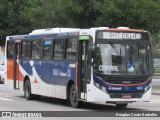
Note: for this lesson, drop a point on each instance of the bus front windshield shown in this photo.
(122, 59)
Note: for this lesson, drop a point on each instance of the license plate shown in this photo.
(126, 96)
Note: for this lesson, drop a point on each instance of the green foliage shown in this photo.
(142, 14)
(156, 40)
(76, 13)
(12, 20)
(22, 16)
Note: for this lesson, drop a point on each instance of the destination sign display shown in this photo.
(119, 35)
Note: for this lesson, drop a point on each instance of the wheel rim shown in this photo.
(27, 92)
(74, 96)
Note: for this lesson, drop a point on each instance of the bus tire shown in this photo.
(124, 105)
(73, 97)
(37, 97)
(27, 90)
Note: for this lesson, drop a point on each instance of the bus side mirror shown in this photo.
(93, 51)
(92, 54)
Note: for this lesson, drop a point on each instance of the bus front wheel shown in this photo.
(73, 97)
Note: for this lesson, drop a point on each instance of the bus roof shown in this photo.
(55, 32)
(46, 33)
(52, 30)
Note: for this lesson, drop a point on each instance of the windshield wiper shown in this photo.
(115, 49)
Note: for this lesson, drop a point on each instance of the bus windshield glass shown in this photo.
(121, 59)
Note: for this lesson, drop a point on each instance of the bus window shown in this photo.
(36, 49)
(71, 49)
(47, 49)
(58, 49)
(10, 50)
(26, 49)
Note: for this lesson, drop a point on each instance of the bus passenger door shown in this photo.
(84, 67)
(16, 64)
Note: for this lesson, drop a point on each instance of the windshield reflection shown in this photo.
(121, 59)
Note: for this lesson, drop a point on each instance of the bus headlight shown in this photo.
(97, 85)
(102, 88)
(147, 88)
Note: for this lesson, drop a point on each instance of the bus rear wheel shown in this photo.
(124, 105)
(73, 97)
(27, 91)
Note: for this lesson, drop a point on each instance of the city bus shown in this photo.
(98, 65)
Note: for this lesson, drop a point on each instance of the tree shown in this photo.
(142, 14)
(20, 17)
(139, 14)
(76, 13)
(41, 14)
(11, 18)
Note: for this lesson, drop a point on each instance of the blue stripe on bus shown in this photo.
(121, 88)
(54, 35)
(25, 64)
(51, 72)
(32, 36)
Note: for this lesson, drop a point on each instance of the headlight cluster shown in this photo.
(101, 87)
(147, 88)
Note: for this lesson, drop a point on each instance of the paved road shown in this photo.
(156, 83)
(14, 100)
(156, 86)
(11, 100)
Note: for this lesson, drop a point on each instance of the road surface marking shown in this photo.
(5, 99)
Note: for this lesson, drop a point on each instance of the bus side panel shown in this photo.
(26, 70)
(72, 71)
(27, 67)
(55, 78)
(32, 69)
(35, 78)
(61, 74)
(10, 75)
(19, 74)
(10, 71)
(47, 85)
(10, 65)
